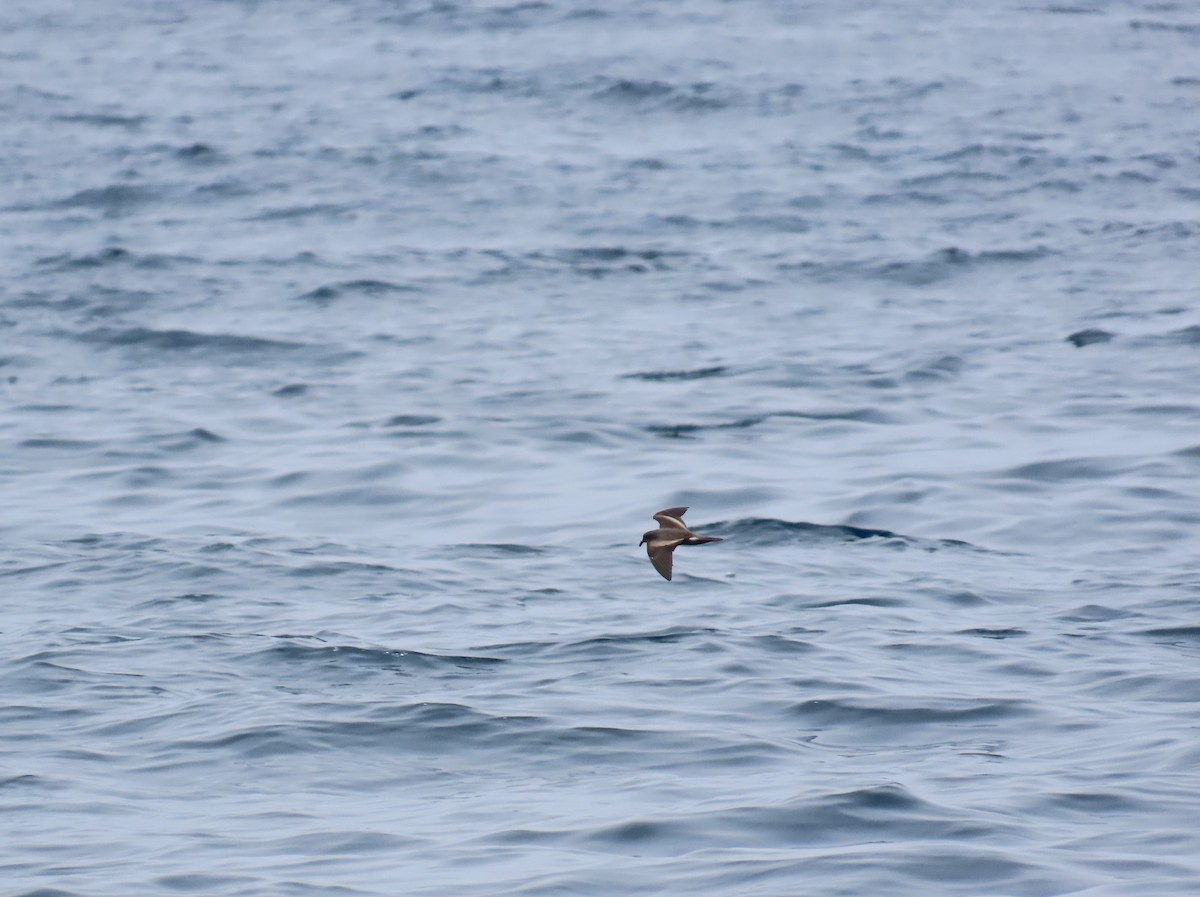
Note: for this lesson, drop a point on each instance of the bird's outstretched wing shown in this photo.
(671, 517)
(661, 553)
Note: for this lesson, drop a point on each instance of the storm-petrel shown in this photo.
(660, 543)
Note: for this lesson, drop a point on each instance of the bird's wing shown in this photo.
(672, 517)
(661, 553)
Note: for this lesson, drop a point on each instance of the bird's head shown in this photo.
(646, 537)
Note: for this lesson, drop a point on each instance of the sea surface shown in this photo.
(347, 348)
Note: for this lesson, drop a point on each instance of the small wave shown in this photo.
(1188, 28)
(1088, 337)
(112, 200)
(337, 568)
(112, 255)
(947, 262)
(995, 633)
(694, 374)
(1176, 634)
(600, 644)
(498, 549)
(62, 444)
(103, 120)
(324, 295)
(879, 813)
(1068, 469)
(1188, 335)
(329, 211)
(412, 420)
(198, 153)
(772, 531)
(680, 431)
(183, 340)
(857, 415)
(951, 711)
(289, 651)
(647, 95)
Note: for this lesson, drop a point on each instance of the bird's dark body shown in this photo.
(661, 543)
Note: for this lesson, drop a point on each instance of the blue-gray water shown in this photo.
(346, 349)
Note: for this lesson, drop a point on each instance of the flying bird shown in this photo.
(660, 543)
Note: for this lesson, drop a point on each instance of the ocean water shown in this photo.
(347, 348)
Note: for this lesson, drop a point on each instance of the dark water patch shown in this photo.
(959, 180)
(684, 431)
(226, 188)
(879, 812)
(1089, 337)
(1178, 635)
(330, 211)
(641, 95)
(114, 200)
(184, 341)
(593, 262)
(876, 814)
(112, 255)
(977, 151)
(172, 443)
(608, 255)
(199, 153)
(339, 568)
(412, 420)
(27, 781)
(949, 262)
(1190, 29)
(1189, 336)
(859, 600)
(1068, 469)
(205, 882)
(942, 264)
(352, 496)
(951, 712)
(386, 659)
(1179, 410)
(1147, 687)
(102, 120)
(944, 368)
(772, 531)
(498, 550)
(999, 633)
(59, 444)
(324, 295)
(961, 598)
(188, 598)
(1064, 9)
(604, 646)
(146, 476)
(695, 374)
(1088, 803)
(768, 531)
(290, 391)
(1094, 613)
(905, 198)
(780, 644)
(434, 728)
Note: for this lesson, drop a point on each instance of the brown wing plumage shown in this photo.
(661, 554)
(672, 517)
